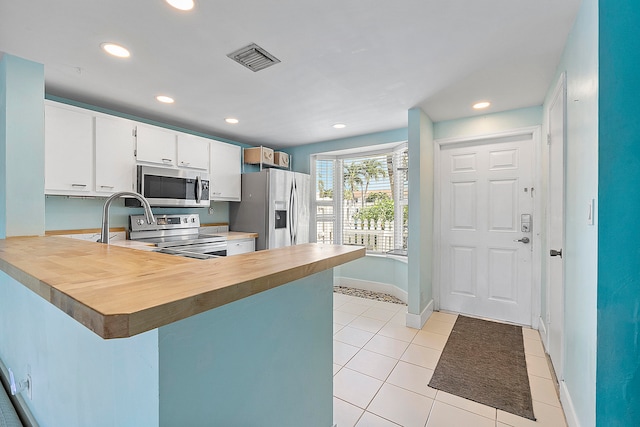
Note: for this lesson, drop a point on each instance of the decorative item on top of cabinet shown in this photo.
(281, 159)
(265, 157)
(258, 155)
(225, 173)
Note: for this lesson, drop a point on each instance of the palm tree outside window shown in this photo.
(361, 199)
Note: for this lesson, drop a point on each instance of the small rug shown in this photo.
(378, 296)
(484, 361)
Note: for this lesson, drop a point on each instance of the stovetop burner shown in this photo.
(177, 235)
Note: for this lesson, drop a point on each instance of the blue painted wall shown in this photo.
(420, 245)
(264, 361)
(79, 379)
(488, 123)
(378, 269)
(301, 154)
(63, 213)
(618, 343)
(580, 61)
(21, 147)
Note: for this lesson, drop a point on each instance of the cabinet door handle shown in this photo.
(79, 185)
(185, 163)
(167, 160)
(106, 186)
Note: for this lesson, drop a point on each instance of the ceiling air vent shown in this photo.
(253, 57)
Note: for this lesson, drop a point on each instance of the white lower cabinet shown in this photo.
(240, 246)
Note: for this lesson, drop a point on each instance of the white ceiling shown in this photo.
(360, 62)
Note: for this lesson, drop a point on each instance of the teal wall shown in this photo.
(139, 119)
(21, 147)
(265, 360)
(618, 303)
(301, 154)
(488, 123)
(420, 245)
(63, 213)
(79, 379)
(580, 61)
(378, 269)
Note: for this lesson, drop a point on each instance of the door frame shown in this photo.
(534, 132)
(545, 330)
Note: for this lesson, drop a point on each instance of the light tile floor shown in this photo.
(381, 370)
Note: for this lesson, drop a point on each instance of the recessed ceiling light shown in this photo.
(231, 120)
(165, 99)
(182, 4)
(115, 50)
(339, 126)
(481, 105)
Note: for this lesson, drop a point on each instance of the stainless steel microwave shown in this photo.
(172, 187)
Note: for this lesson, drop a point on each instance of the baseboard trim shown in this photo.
(417, 321)
(19, 404)
(542, 328)
(567, 405)
(371, 286)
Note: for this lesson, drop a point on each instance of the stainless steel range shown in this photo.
(177, 235)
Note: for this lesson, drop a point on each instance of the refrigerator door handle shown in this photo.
(293, 213)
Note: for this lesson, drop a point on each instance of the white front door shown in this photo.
(486, 218)
(555, 282)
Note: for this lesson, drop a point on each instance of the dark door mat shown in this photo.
(484, 361)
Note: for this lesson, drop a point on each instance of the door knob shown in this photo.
(523, 240)
(554, 252)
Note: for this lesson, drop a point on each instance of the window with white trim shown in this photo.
(362, 198)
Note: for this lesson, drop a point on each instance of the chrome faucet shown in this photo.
(104, 235)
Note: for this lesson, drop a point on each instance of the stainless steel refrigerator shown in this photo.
(275, 204)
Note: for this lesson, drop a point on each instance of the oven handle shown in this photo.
(198, 189)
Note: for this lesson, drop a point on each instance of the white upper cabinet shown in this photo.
(68, 150)
(193, 152)
(225, 172)
(115, 163)
(155, 145)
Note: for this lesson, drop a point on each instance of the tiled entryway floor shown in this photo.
(382, 368)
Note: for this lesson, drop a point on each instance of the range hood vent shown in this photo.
(253, 57)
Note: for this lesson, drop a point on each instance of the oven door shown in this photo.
(171, 187)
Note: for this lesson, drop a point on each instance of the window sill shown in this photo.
(390, 255)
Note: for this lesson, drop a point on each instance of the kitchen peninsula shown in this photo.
(117, 337)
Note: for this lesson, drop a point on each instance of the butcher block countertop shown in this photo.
(120, 292)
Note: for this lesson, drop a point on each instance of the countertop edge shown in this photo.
(290, 264)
